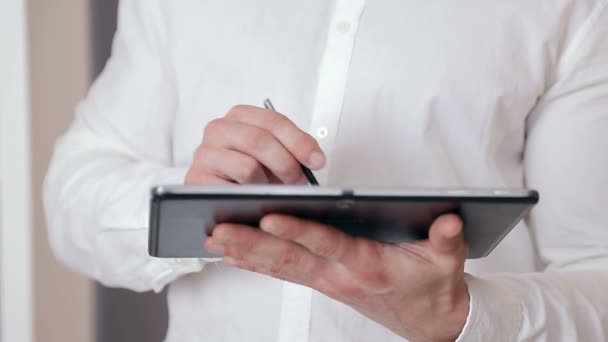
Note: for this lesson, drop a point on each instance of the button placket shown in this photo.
(333, 75)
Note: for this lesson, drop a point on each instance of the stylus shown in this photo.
(309, 175)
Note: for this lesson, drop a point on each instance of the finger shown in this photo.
(231, 165)
(257, 143)
(299, 143)
(446, 236)
(260, 252)
(272, 179)
(198, 176)
(322, 240)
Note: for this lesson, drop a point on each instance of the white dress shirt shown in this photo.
(473, 93)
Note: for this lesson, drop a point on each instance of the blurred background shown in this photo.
(50, 53)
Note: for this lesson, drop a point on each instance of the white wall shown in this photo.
(15, 193)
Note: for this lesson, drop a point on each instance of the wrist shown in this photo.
(454, 316)
(442, 319)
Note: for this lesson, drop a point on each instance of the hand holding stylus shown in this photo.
(252, 145)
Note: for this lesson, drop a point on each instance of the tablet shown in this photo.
(181, 217)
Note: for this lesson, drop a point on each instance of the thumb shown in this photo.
(446, 235)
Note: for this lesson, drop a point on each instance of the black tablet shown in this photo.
(181, 217)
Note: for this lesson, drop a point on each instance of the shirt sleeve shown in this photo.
(119, 145)
(566, 159)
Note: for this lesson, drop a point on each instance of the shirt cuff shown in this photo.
(123, 237)
(169, 270)
(495, 312)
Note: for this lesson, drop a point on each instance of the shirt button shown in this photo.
(322, 132)
(343, 26)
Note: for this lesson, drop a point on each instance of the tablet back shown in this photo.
(180, 221)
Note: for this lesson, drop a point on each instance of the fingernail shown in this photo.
(267, 225)
(317, 160)
(453, 231)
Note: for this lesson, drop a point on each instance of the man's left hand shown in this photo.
(416, 289)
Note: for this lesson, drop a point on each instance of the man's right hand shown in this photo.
(254, 145)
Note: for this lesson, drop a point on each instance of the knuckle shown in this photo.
(248, 170)
(279, 122)
(236, 111)
(193, 177)
(200, 153)
(213, 126)
(196, 172)
(257, 139)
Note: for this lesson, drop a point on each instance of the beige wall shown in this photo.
(59, 62)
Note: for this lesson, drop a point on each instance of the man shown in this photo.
(393, 93)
